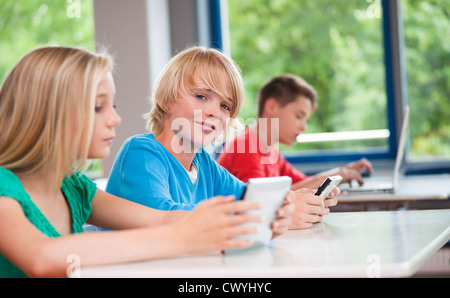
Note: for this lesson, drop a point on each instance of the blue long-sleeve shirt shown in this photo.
(146, 173)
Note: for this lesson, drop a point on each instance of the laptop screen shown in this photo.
(401, 146)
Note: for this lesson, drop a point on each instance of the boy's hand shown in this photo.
(309, 208)
(354, 170)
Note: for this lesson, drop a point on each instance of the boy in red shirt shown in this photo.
(285, 104)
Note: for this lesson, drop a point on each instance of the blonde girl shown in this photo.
(56, 112)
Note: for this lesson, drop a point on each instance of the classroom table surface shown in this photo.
(347, 244)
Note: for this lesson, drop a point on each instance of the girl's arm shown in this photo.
(209, 227)
(114, 213)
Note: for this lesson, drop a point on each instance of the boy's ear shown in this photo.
(271, 107)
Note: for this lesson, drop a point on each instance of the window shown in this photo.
(426, 27)
(337, 46)
(345, 50)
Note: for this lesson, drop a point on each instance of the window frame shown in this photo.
(395, 84)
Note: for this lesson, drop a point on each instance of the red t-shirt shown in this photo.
(247, 157)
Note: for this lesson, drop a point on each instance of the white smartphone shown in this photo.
(327, 186)
(269, 193)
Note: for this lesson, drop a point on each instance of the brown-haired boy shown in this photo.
(285, 104)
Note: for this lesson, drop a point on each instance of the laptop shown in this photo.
(386, 184)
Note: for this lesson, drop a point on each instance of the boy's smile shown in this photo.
(206, 127)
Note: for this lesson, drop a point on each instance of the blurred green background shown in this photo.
(336, 45)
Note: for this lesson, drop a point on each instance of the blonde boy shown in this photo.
(193, 100)
(198, 94)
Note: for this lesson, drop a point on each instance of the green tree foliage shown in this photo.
(25, 25)
(337, 46)
(427, 32)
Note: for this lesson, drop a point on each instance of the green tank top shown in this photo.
(78, 190)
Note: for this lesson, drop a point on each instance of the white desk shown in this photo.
(350, 244)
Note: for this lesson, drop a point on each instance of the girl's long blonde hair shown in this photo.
(47, 105)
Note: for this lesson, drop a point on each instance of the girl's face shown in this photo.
(293, 119)
(105, 120)
(200, 116)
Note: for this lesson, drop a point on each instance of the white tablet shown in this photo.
(269, 193)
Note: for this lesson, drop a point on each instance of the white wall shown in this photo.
(142, 35)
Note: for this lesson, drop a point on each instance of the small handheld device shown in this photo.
(327, 186)
(269, 192)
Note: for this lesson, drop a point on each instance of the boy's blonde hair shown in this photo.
(47, 105)
(177, 78)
